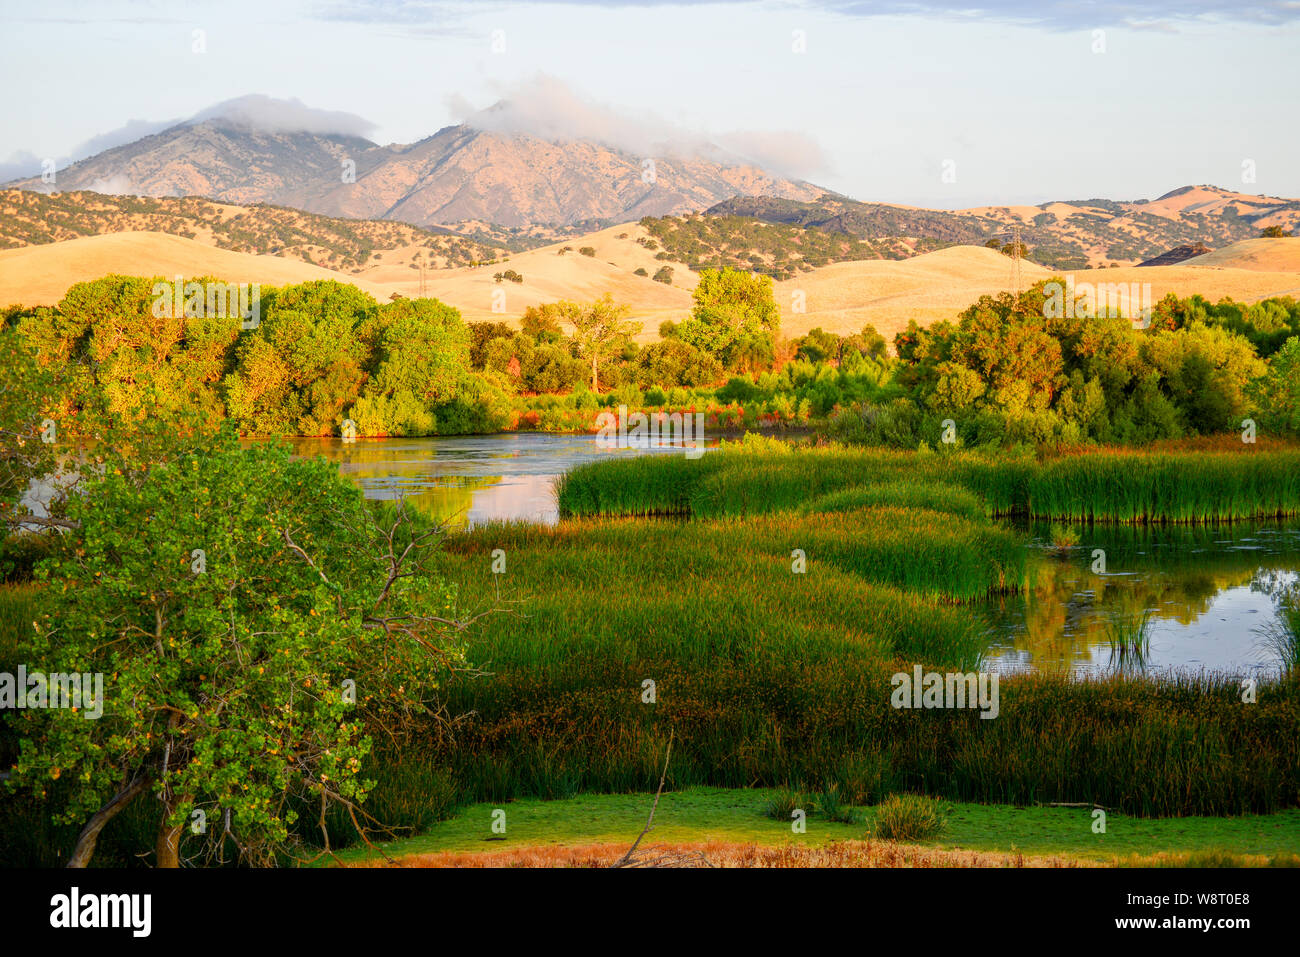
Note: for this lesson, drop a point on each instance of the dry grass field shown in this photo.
(40, 275)
(728, 854)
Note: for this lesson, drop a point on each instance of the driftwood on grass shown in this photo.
(662, 858)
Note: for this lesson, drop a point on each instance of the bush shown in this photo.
(588, 251)
(831, 806)
(909, 817)
(785, 802)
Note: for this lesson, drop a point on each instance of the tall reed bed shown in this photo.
(1167, 487)
(1104, 485)
(1145, 748)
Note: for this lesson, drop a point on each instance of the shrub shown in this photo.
(909, 817)
(831, 806)
(784, 802)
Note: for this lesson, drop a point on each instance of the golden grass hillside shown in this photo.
(551, 273)
(841, 297)
(1264, 255)
(41, 275)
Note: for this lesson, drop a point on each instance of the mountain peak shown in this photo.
(257, 149)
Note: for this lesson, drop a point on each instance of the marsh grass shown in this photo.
(1064, 537)
(909, 817)
(18, 610)
(1282, 637)
(1097, 485)
(831, 806)
(785, 801)
(1129, 637)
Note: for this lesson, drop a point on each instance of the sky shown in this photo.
(930, 104)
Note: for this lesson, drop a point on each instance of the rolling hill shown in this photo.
(28, 218)
(41, 275)
(1265, 255)
(840, 297)
(1062, 235)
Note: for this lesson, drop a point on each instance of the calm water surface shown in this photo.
(1209, 591)
(468, 480)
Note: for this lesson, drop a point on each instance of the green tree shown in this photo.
(27, 440)
(542, 323)
(423, 362)
(1277, 391)
(250, 614)
(601, 331)
(306, 362)
(735, 317)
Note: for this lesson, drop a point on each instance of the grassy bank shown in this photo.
(738, 816)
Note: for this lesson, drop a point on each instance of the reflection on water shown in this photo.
(467, 480)
(1208, 592)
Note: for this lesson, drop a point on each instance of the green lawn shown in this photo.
(704, 813)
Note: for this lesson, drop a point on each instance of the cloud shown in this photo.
(20, 165)
(547, 109)
(787, 153)
(133, 130)
(271, 115)
(1051, 14)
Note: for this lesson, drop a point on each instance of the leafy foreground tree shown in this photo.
(254, 619)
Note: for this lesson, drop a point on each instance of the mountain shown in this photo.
(1073, 234)
(459, 174)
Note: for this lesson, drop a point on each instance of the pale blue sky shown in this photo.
(1013, 94)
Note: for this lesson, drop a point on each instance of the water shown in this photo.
(468, 480)
(1209, 590)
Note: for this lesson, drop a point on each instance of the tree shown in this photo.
(734, 318)
(482, 333)
(542, 323)
(600, 330)
(423, 362)
(1275, 232)
(252, 616)
(306, 361)
(1277, 392)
